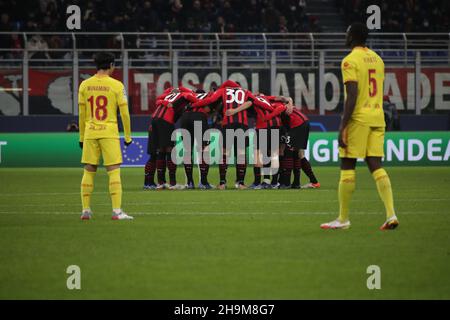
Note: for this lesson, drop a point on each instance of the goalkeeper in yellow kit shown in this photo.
(361, 133)
(98, 99)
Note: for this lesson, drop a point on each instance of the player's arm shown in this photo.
(124, 115)
(209, 100)
(276, 112)
(349, 77)
(351, 88)
(242, 107)
(81, 115)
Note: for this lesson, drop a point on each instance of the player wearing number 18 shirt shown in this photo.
(99, 97)
(361, 133)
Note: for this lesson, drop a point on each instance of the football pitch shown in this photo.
(230, 244)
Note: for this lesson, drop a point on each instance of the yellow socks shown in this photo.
(384, 190)
(345, 191)
(87, 186)
(115, 188)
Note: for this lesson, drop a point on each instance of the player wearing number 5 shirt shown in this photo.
(99, 97)
(361, 133)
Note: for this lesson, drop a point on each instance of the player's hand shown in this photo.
(81, 144)
(128, 143)
(341, 141)
(289, 108)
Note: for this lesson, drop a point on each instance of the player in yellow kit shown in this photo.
(98, 99)
(361, 133)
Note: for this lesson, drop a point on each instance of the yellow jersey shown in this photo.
(98, 100)
(366, 68)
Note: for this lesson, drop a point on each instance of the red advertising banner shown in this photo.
(50, 92)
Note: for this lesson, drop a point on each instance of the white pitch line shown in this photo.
(220, 213)
(20, 194)
(165, 203)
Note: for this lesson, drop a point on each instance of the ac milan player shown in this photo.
(150, 166)
(231, 96)
(266, 119)
(191, 117)
(170, 109)
(295, 141)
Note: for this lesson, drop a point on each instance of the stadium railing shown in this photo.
(223, 53)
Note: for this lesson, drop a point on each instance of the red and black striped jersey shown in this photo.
(173, 105)
(205, 109)
(231, 98)
(264, 116)
(293, 120)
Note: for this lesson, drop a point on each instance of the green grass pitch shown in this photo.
(223, 244)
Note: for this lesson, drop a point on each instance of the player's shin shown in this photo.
(347, 185)
(257, 173)
(172, 169)
(384, 190)
(87, 186)
(115, 189)
(150, 168)
(296, 169)
(161, 167)
(307, 169)
(223, 168)
(287, 164)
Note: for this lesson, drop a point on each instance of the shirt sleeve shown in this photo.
(258, 103)
(209, 100)
(125, 116)
(122, 101)
(122, 96)
(349, 69)
(277, 111)
(81, 112)
(190, 97)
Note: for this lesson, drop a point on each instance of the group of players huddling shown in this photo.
(230, 107)
(361, 132)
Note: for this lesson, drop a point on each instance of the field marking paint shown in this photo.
(167, 213)
(140, 203)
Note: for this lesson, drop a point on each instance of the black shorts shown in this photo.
(297, 137)
(159, 135)
(268, 140)
(189, 119)
(234, 127)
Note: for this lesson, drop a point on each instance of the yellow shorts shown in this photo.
(107, 148)
(362, 141)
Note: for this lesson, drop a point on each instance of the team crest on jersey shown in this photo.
(346, 65)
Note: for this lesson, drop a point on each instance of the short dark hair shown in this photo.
(359, 32)
(199, 91)
(103, 60)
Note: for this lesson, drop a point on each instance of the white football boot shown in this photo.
(121, 216)
(336, 224)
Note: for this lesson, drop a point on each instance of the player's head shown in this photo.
(357, 34)
(104, 61)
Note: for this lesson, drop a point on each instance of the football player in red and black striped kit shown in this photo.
(188, 120)
(231, 96)
(171, 106)
(295, 142)
(150, 166)
(266, 119)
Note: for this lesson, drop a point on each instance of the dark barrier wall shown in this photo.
(57, 123)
